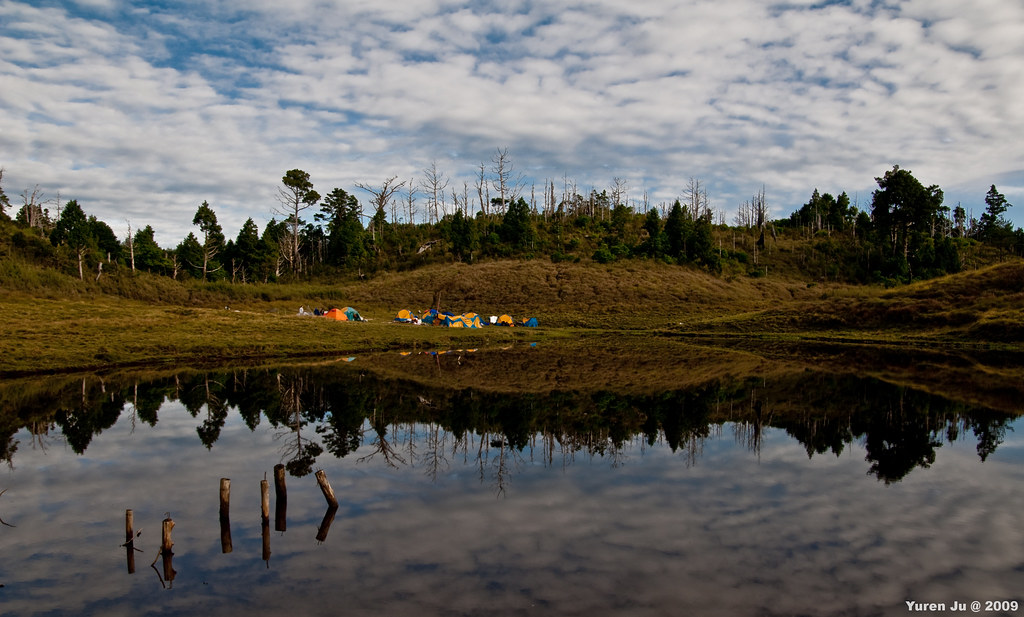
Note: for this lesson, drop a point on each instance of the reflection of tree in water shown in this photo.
(412, 423)
(990, 429)
(212, 391)
(899, 445)
(8, 446)
(381, 444)
(299, 405)
(86, 412)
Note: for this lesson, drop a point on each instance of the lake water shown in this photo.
(693, 480)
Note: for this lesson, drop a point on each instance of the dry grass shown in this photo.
(986, 305)
(89, 329)
(637, 294)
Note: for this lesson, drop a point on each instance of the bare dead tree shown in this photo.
(696, 198)
(620, 187)
(131, 244)
(760, 209)
(434, 184)
(744, 215)
(33, 207)
(410, 200)
(506, 181)
(481, 187)
(456, 200)
(381, 197)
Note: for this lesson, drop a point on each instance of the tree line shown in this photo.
(318, 410)
(907, 233)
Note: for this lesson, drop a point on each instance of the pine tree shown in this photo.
(73, 231)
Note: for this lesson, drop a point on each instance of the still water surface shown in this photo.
(748, 495)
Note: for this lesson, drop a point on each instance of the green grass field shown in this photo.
(52, 322)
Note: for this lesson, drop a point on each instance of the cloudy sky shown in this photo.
(142, 110)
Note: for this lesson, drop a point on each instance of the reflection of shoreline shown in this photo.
(589, 536)
(348, 410)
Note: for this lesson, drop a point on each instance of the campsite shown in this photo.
(154, 320)
(435, 317)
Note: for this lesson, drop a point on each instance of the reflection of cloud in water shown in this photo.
(733, 534)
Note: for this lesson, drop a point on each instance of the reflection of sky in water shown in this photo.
(645, 533)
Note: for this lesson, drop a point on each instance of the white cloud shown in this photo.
(213, 102)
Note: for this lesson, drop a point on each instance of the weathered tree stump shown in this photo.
(129, 539)
(325, 488)
(165, 549)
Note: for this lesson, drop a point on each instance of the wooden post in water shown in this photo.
(129, 539)
(332, 505)
(281, 499)
(325, 524)
(264, 501)
(225, 519)
(165, 549)
(325, 488)
(265, 517)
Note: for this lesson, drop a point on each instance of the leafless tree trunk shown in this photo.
(410, 200)
(434, 184)
(381, 196)
(131, 245)
(481, 185)
(500, 181)
(696, 198)
(620, 187)
(33, 207)
(80, 253)
(760, 208)
(507, 184)
(744, 215)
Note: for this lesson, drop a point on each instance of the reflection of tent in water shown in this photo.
(344, 314)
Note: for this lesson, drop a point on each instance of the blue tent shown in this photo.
(433, 316)
(531, 322)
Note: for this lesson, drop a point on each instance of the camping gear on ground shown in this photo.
(344, 314)
(434, 317)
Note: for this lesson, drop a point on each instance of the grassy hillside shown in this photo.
(985, 305)
(52, 321)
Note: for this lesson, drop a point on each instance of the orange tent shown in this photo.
(336, 314)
